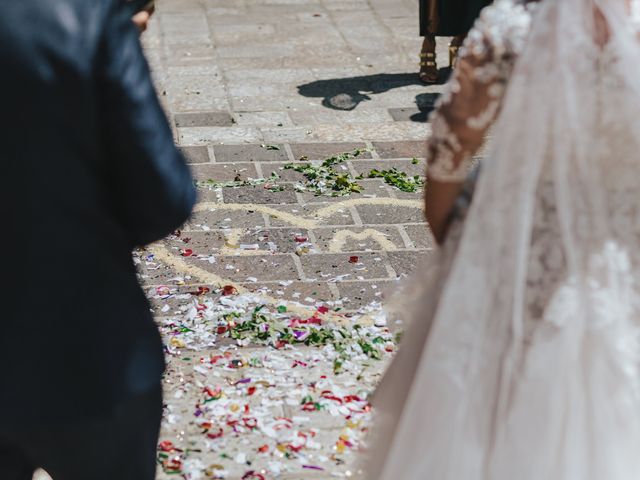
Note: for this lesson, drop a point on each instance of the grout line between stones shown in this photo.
(289, 151)
(356, 216)
(372, 151)
(405, 237)
(298, 264)
(352, 169)
(300, 199)
(212, 155)
(333, 288)
(313, 239)
(258, 167)
(390, 270)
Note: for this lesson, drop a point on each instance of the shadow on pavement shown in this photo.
(347, 93)
(426, 103)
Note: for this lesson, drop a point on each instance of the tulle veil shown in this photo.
(488, 396)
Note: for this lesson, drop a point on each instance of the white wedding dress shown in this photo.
(522, 358)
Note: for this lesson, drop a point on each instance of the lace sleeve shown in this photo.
(472, 98)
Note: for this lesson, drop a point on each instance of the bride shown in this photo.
(522, 358)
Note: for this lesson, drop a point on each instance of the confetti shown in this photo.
(234, 418)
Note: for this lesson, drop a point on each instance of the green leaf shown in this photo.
(398, 179)
(324, 179)
(337, 366)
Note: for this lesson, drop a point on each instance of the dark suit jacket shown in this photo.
(89, 171)
(449, 17)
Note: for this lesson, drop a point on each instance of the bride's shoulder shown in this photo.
(503, 27)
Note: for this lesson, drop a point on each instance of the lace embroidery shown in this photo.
(484, 120)
(471, 100)
(444, 146)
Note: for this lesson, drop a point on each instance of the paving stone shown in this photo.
(286, 175)
(418, 195)
(374, 188)
(213, 135)
(405, 97)
(389, 214)
(409, 114)
(224, 172)
(220, 218)
(371, 187)
(258, 194)
(338, 72)
(180, 296)
(178, 24)
(209, 68)
(199, 87)
(240, 268)
(420, 236)
(203, 243)
(401, 149)
(208, 193)
(272, 75)
(249, 153)
(286, 135)
(196, 154)
(341, 217)
(189, 102)
(265, 51)
(364, 167)
(239, 17)
(216, 11)
(274, 103)
(380, 131)
(153, 272)
(229, 35)
(322, 151)
(195, 40)
(310, 198)
(203, 119)
(369, 115)
(281, 240)
(197, 101)
(354, 294)
(331, 238)
(334, 267)
(264, 119)
(260, 88)
(406, 262)
(305, 293)
(266, 241)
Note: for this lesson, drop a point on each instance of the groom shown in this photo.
(89, 171)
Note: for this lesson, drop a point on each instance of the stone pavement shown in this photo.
(251, 86)
(312, 78)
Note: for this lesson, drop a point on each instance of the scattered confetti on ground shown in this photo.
(235, 409)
